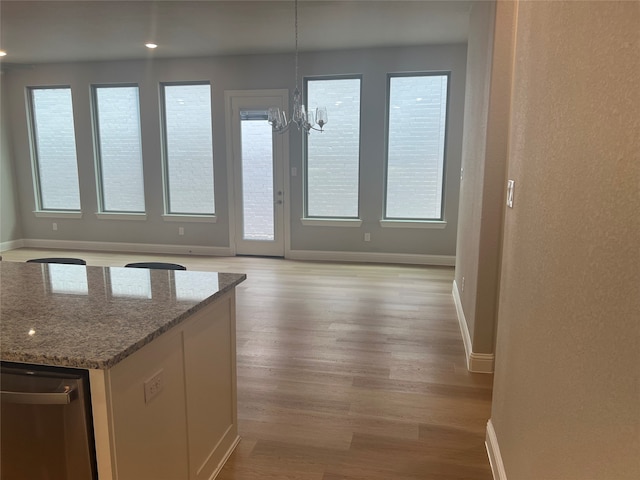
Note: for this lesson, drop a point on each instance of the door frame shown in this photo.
(229, 96)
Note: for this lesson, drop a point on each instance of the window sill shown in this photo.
(189, 218)
(56, 214)
(436, 224)
(121, 216)
(331, 222)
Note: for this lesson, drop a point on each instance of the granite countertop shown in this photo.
(94, 317)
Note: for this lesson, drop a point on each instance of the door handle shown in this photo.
(41, 398)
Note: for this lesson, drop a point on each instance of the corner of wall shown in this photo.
(476, 362)
(493, 452)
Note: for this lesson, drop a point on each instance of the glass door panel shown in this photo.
(257, 176)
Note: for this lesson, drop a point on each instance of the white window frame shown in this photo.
(40, 211)
(407, 222)
(103, 213)
(170, 216)
(332, 221)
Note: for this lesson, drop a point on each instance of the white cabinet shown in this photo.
(183, 425)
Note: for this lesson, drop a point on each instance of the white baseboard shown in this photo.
(11, 244)
(364, 257)
(128, 247)
(493, 451)
(476, 362)
(373, 257)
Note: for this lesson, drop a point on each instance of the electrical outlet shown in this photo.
(55, 226)
(463, 284)
(180, 230)
(153, 387)
(294, 172)
(367, 237)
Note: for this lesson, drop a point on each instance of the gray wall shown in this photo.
(566, 400)
(238, 73)
(10, 224)
(484, 158)
(374, 65)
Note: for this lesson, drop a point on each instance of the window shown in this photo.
(118, 148)
(333, 156)
(54, 149)
(188, 149)
(415, 146)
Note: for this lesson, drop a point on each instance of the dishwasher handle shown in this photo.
(68, 395)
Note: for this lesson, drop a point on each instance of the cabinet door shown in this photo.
(209, 356)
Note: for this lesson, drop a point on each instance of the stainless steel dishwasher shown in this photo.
(47, 430)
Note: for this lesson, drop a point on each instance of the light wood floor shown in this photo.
(345, 371)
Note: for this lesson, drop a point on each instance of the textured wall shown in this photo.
(566, 403)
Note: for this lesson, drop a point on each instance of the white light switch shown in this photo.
(510, 187)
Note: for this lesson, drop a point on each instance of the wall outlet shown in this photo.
(462, 286)
(153, 387)
(55, 226)
(294, 172)
(180, 230)
(367, 237)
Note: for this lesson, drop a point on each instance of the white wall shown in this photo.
(237, 73)
(484, 159)
(566, 400)
(10, 223)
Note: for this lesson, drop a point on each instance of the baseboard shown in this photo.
(225, 458)
(476, 362)
(373, 257)
(11, 244)
(493, 451)
(327, 256)
(127, 247)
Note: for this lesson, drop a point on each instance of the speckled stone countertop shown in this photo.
(94, 317)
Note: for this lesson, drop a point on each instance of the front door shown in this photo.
(258, 158)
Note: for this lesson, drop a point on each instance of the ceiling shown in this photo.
(80, 30)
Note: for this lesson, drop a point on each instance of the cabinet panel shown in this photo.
(150, 434)
(210, 372)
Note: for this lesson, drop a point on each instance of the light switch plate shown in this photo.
(510, 188)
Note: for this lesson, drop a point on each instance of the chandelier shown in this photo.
(299, 116)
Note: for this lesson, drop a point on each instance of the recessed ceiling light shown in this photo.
(3, 53)
(151, 45)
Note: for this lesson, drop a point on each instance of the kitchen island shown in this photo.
(159, 347)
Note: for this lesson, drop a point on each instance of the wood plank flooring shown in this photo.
(345, 371)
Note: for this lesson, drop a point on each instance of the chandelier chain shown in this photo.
(296, 30)
(302, 119)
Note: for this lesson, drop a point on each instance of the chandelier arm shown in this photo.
(299, 116)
